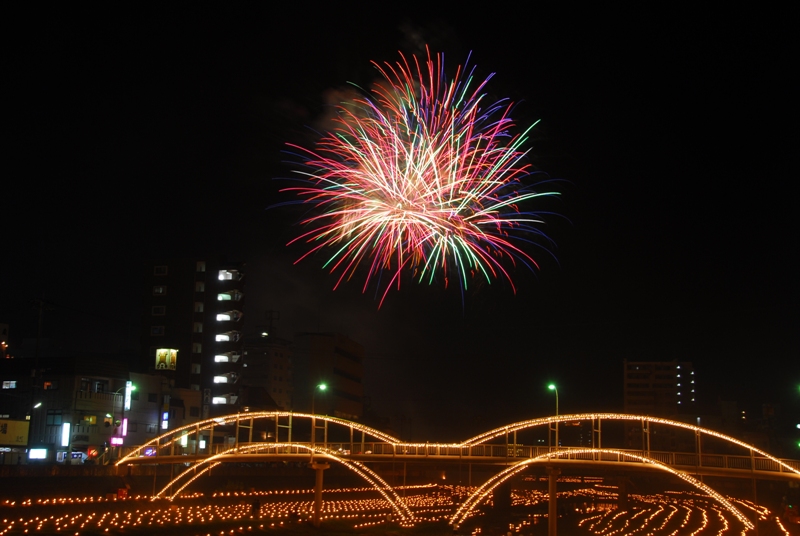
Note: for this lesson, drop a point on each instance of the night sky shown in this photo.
(671, 135)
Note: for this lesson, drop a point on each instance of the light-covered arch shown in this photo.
(532, 423)
(380, 485)
(487, 487)
(174, 435)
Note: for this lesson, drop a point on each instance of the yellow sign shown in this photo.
(166, 358)
(13, 433)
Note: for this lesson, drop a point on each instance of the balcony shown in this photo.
(225, 399)
(230, 377)
(231, 295)
(230, 275)
(230, 316)
(227, 357)
(228, 336)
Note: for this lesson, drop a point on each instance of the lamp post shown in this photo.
(320, 387)
(553, 387)
(553, 472)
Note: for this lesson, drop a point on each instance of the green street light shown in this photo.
(553, 387)
(320, 387)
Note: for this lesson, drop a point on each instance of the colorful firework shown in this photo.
(421, 175)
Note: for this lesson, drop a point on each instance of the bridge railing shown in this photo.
(503, 451)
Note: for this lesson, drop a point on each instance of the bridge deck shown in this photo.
(705, 464)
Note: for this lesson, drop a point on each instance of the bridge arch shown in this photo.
(477, 497)
(173, 436)
(547, 421)
(372, 478)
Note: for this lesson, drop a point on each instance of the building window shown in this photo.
(54, 417)
(195, 368)
(197, 327)
(198, 307)
(47, 386)
(197, 348)
(166, 358)
(201, 266)
(194, 387)
(199, 286)
(156, 331)
(219, 400)
(12, 384)
(159, 290)
(159, 270)
(159, 310)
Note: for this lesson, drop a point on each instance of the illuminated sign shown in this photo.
(37, 454)
(166, 358)
(116, 441)
(128, 389)
(13, 433)
(65, 434)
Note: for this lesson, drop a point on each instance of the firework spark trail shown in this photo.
(419, 175)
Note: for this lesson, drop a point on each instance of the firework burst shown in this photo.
(421, 175)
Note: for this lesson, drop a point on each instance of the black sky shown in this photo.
(673, 135)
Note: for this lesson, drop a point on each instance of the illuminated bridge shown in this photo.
(229, 439)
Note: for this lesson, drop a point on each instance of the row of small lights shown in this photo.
(174, 515)
(603, 524)
(192, 515)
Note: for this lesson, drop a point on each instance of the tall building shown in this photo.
(268, 366)
(192, 328)
(336, 361)
(658, 389)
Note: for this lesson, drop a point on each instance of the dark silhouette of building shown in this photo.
(658, 389)
(336, 361)
(192, 328)
(268, 366)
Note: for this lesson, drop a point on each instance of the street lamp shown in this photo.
(553, 387)
(320, 387)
